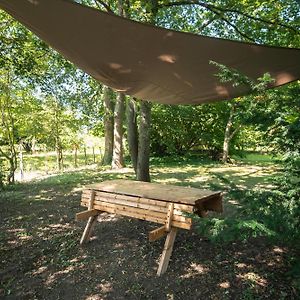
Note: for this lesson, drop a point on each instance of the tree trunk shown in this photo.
(225, 148)
(21, 162)
(7, 124)
(228, 135)
(142, 173)
(94, 157)
(75, 156)
(59, 155)
(108, 126)
(139, 137)
(118, 159)
(12, 168)
(100, 154)
(85, 156)
(33, 145)
(132, 132)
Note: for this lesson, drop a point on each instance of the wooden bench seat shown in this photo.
(169, 205)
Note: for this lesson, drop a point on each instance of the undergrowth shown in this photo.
(271, 213)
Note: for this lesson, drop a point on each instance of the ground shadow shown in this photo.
(41, 257)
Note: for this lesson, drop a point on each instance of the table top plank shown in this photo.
(162, 192)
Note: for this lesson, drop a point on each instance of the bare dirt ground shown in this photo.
(40, 256)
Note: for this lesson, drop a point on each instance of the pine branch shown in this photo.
(206, 24)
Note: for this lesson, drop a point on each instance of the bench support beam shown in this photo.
(84, 215)
(88, 230)
(167, 251)
(91, 221)
(157, 233)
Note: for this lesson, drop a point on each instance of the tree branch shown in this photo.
(232, 25)
(223, 9)
(235, 131)
(254, 18)
(106, 6)
(206, 24)
(4, 154)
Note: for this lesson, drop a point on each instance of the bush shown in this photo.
(274, 213)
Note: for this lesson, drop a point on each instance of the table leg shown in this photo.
(166, 254)
(90, 223)
(88, 229)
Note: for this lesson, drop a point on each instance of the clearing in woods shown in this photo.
(41, 257)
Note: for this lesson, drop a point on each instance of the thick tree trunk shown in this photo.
(132, 132)
(139, 137)
(12, 168)
(118, 159)
(108, 126)
(142, 173)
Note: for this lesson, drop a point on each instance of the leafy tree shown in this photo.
(179, 129)
(7, 124)
(60, 125)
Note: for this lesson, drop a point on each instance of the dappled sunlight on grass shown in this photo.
(42, 259)
(169, 181)
(211, 175)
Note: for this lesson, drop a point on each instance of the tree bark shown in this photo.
(118, 159)
(12, 169)
(85, 156)
(108, 126)
(21, 166)
(132, 132)
(94, 157)
(229, 134)
(33, 144)
(7, 123)
(75, 156)
(142, 173)
(59, 155)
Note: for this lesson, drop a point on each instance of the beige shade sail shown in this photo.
(148, 62)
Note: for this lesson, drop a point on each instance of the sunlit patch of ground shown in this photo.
(41, 258)
(241, 176)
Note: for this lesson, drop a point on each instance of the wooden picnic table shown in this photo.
(169, 205)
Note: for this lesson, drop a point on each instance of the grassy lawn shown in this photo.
(41, 257)
(47, 161)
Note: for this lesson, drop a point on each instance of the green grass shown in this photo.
(47, 162)
(252, 208)
(247, 188)
(259, 158)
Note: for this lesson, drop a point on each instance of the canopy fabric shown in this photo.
(148, 62)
